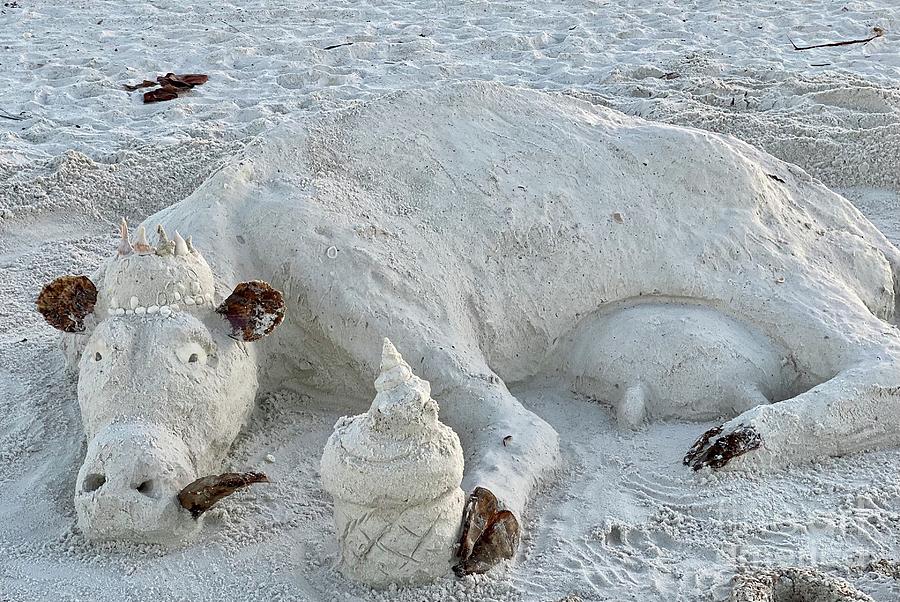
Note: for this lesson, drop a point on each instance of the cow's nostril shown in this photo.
(148, 488)
(93, 482)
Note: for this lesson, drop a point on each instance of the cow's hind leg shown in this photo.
(858, 409)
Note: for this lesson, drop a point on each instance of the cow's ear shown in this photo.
(67, 301)
(253, 310)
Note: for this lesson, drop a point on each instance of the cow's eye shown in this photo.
(192, 353)
(97, 357)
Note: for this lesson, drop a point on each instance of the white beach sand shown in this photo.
(624, 520)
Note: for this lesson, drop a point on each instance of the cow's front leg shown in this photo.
(508, 449)
(859, 409)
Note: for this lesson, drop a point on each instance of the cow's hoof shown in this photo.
(489, 534)
(718, 446)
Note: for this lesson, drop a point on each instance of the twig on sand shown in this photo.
(333, 46)
(231, 26)
(6, 115)
(877, 33)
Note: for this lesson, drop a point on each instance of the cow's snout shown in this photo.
(127, 487)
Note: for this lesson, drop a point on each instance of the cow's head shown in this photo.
(166, 380)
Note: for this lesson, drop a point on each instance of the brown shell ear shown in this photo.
(253, 310)
(66, 302)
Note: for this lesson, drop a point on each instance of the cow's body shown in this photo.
(477, 226)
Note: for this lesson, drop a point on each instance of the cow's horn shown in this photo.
(125, 245)
(141, 246)
(161, 233)
(164, 246)
(202, 494)
(181, 247)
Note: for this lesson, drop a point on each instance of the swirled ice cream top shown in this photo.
(398, 453)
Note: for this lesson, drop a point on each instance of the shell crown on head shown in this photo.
(147, 280)
(164, 247)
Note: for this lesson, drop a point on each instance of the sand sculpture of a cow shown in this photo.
(493, 234)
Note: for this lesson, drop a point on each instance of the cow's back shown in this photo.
(499, 217)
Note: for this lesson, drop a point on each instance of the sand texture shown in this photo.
(622, 519)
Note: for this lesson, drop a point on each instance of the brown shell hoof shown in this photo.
(254, 309)
(489, 534)
(67, 301)
(723, 448)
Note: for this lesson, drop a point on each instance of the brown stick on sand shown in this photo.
(202, 494)
(878, 32)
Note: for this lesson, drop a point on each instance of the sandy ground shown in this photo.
(623, 520)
